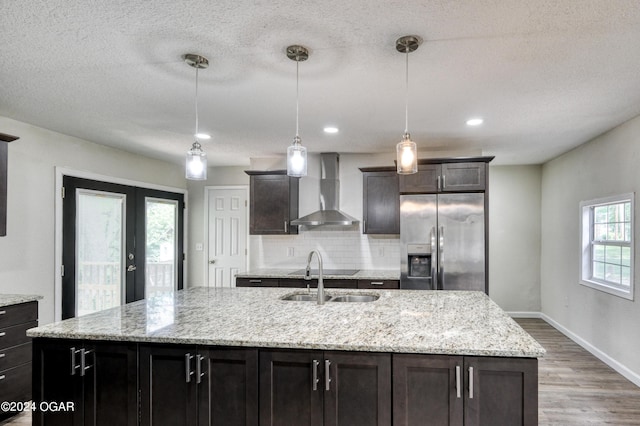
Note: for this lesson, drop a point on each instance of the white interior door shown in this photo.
(227, 239)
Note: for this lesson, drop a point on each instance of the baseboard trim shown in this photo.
(611, 362)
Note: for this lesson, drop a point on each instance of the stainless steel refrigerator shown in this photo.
(442, 239)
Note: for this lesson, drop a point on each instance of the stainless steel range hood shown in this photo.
(329, 213)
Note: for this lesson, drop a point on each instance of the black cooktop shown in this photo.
(345, 272)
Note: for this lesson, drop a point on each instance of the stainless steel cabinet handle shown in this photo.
(444, 181)
(187, 367)
(377, 283)
(470, 382)
(199, 373)
(2, 333)
(438, 182)
(327, 375)
(286, 226)
(458, 390)
(73, 353)
(2, 377)
(2, 355)
(255, 281)
(83, 361)
(3, 312)
(315, 379)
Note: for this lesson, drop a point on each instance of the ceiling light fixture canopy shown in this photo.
(196, 161)
(406, 150)
(296, 153)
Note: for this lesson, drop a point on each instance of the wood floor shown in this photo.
(575, 388)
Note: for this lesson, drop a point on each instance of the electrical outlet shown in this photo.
(290, 252)
(380, 251)
(199, 247)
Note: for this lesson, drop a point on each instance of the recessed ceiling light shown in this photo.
(475, 121)
(202, 136)
(331, 129)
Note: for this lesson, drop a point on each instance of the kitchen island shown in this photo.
(244, 356)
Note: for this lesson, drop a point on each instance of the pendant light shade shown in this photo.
(196, 161)
(296, 153)
(406, 149)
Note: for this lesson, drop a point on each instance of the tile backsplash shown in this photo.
(340, 247)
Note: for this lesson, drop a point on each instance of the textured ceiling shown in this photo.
(545, 75)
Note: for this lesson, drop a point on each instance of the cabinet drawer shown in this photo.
(15, 383)
(16, 335)
(256, 282)
(16, 355)
(18, 314)
(379, 284)
(313, 283)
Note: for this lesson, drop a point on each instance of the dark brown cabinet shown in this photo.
(198, 385)
(96, 382)
(325, 388)
(295, 282)
(256, 282)
(379, 284)
(273, 202)
(381, 201)
(457, 390)
(447, 175)
(15, 352)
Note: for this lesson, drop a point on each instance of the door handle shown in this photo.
(212, 261)
(441, 256)
(131, 268)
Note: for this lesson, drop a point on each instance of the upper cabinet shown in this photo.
(273, 202)
(381, 201)
(447, 175)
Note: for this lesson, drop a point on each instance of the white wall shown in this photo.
(514, 237)
(27, 252)
(605, 166)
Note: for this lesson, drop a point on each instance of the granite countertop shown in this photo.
(15, 299)
(362, 274)
(408, 321)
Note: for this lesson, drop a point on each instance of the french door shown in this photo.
(120, 243)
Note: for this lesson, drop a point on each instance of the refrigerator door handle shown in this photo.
(440, 255)
(434, 278)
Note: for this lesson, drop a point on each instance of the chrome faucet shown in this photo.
(307, 275)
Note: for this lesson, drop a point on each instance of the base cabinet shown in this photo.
(89, 383)
(120, 383)
(318, 388)
(456, 390)
(189, 385)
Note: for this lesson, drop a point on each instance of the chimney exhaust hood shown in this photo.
(329, 213)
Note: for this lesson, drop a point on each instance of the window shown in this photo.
(607, 244)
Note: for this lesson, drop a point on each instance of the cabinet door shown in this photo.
(463, 176)
(501, 391)
(110, 384)
(357, 389)
(274, 203)
(168, 385)
(289, 395)
(427, 390)
(381, 203)
(228, 394)
(55, 378)
(423, 182)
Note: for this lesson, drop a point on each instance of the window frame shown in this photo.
(587, 221)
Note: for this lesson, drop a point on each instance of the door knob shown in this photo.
(212, 261)
(131, 268)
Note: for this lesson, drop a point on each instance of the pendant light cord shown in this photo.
(406, 103)
(195, 134)
(297, 95)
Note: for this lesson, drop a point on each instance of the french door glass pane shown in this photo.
(161, 218)
(100, 250)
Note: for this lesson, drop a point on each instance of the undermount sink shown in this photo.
(355, 298)
(306, 297)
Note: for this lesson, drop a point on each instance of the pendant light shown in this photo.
(296, 153)
(406, 150)
(196, 161)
